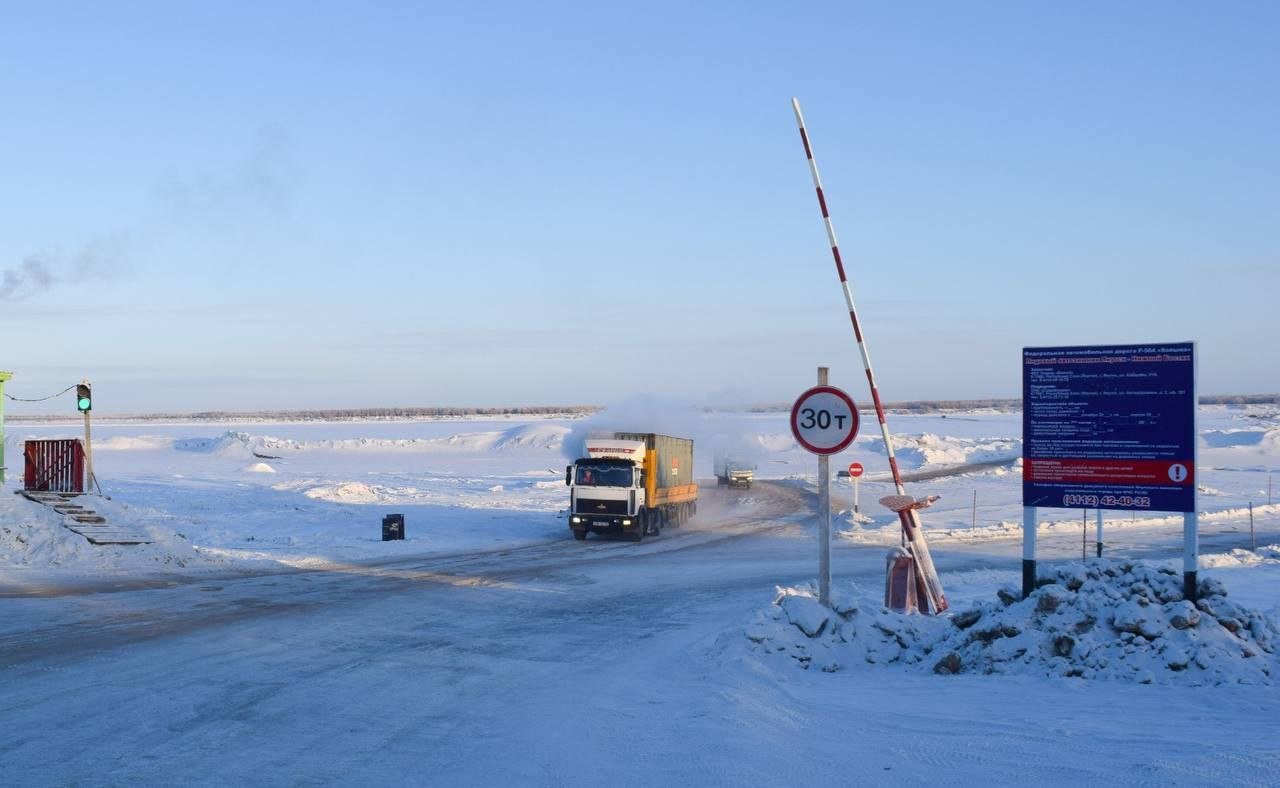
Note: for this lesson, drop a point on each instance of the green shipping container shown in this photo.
(675, 456)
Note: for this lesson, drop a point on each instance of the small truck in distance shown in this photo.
(631, 483)
(734, 473)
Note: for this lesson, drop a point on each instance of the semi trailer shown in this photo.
(631, 483)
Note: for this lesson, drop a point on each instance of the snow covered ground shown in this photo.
(268, 635)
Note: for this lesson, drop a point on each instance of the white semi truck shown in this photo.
(631, 483)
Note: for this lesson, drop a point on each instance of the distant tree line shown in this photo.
(342, 414)
(942, 405)
(1240, 399)
(561, 411)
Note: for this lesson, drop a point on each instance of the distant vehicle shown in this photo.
(633, 484)
(734, 473)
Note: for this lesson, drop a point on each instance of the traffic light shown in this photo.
(84, 402)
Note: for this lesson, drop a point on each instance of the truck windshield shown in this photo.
(599, 474)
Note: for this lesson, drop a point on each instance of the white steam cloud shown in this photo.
(714, 433)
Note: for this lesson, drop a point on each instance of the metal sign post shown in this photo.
(1110, 427)
(84, 403)
(824, 421)
(3, 377)
(855, 473)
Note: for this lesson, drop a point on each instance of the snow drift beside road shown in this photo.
(234, 443)
(928, 450)
(1124, 621)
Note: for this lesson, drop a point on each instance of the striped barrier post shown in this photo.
(910, 523)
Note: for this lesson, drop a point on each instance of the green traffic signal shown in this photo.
(84, 402)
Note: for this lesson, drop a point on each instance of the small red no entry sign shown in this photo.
(824, 420)
(855, 469)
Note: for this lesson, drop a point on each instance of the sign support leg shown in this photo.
(1028, 550)
(1099, 533)
(1190, 555)
(824, 518)
(856, 479)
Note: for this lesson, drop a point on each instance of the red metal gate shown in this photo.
(54, 465)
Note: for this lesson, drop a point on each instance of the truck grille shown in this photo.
(594, 506)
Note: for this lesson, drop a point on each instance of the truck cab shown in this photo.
(632, 484)
(607, 488)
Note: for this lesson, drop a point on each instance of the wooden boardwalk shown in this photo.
(85, 521)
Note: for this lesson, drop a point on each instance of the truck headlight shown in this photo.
(577, 520)
(626, 522)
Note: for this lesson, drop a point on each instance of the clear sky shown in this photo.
(295, 205)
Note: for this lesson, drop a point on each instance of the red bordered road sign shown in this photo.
(855, 469)
(824, 420)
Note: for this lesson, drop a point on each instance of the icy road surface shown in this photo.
(563, 663)
(268, 636)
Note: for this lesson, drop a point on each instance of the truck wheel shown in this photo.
(580, 534)
(642, 526)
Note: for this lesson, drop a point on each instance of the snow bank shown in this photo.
(1123, 621)
(1224, 439)
(530, 436)
(131, 443)
(1267, 555)
(32, 537)
(348, 492)
(929, 450)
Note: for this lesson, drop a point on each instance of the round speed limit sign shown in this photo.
(824, 420)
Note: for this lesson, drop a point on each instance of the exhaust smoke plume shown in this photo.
(102, 259)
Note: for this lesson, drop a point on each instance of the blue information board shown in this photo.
(1109, 427)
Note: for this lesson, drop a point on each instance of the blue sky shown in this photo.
(321, 205)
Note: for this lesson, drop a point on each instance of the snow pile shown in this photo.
(229, 444)
(1266, 555)
(799, 627)
(1124, 621)
(132, 443)
(348, 492)
(1224, 439)
(531, 436)
(929, 450)
(33, 537)
(258, 467)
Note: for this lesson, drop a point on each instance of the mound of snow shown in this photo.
(128, 443)
(229, 444)
(258, 467)
(349, 492)
(930, 450)
(1269, 554)
(1224, 439)
(1122, 621)
(532, 436)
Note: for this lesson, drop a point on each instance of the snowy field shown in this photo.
(268, 635)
